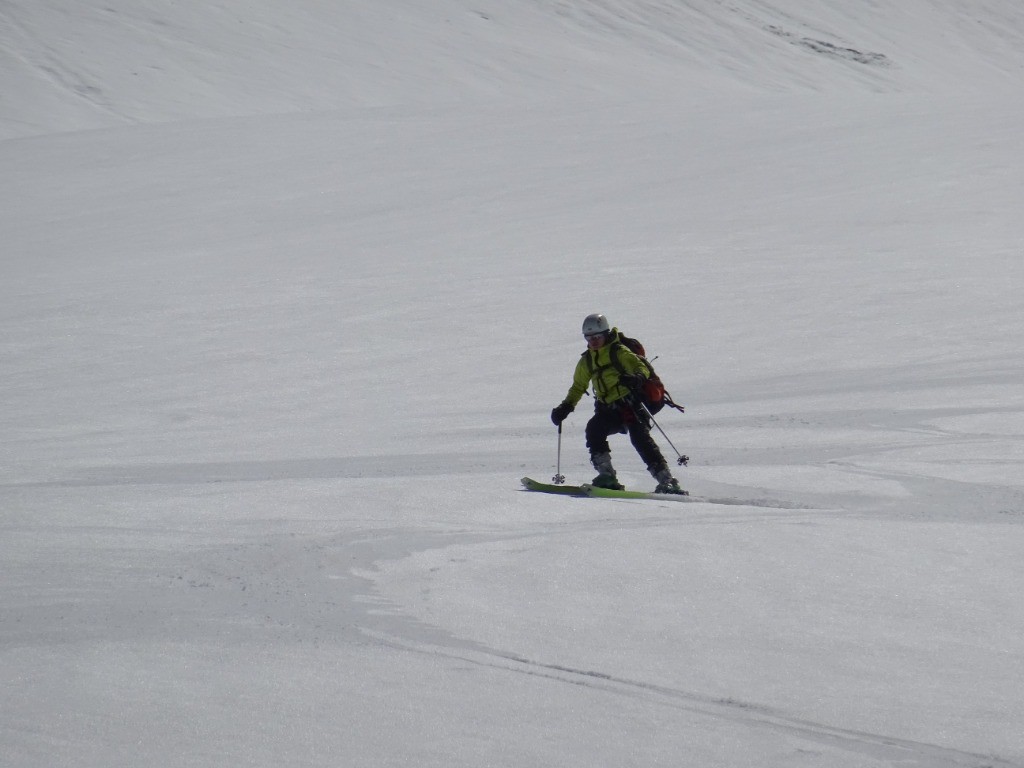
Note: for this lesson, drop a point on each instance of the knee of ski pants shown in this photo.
(605, 421)
(645, 446)
(597, 442)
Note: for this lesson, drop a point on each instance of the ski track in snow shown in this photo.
(746, 714)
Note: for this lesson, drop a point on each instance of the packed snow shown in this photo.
(288, 293)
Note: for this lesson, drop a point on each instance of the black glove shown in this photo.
(560, 411)
(632, 381)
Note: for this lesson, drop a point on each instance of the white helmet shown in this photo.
(595, 324)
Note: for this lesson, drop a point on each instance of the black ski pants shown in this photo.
(611, 418)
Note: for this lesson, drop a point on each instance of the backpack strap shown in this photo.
(593, 368)
(672, 403)
(613, 354)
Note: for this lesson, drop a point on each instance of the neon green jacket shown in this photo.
(598, 368)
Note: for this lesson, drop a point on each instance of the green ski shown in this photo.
(566, 490)
(608, 493)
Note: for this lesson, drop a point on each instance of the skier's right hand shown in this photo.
(560, 411)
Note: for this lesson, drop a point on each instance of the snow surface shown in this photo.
(289, 289)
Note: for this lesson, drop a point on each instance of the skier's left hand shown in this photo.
(632, 381)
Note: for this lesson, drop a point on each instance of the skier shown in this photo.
(616, 374)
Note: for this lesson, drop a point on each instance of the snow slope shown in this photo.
(71, 65)
(288, 291)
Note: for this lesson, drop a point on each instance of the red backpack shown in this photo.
(653, 393)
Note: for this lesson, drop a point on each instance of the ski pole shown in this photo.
(682, 461)
(559, 478)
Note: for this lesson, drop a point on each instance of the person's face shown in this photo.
(595, 340)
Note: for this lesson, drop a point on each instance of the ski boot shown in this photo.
(606, 472)
(666, 483)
